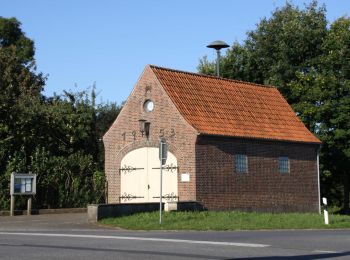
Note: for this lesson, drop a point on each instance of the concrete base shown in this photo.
(97, 212)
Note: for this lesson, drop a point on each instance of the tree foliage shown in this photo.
(58, 138)
(308, 60)
(323, 95)
(12, 38)
(288, 42)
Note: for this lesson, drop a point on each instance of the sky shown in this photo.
(109, 42)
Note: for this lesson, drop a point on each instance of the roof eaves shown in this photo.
(261, 138)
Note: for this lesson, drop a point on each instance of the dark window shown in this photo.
(241, 163)
(283, 164)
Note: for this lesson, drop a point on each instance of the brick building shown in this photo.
(232, 145)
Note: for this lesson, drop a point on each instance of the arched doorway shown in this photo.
(140, 176)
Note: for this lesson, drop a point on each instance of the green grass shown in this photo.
(226, 220)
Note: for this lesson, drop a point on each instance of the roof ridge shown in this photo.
(213, 77)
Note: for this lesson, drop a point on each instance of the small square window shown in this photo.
(283, 164)
(241, 163)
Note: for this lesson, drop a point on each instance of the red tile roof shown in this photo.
(217, 106)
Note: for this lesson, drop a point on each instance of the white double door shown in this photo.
(140, 176)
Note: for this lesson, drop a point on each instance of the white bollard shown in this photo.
(325, 211)
(326, 221)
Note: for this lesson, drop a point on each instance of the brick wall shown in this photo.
(124, 135)
(263, 188)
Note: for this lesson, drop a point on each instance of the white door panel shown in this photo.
(140, 176)
(169, 177)
(132, 173)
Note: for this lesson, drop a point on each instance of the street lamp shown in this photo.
(218, 45)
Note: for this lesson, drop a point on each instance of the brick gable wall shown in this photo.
(124, 135)
(263, 188)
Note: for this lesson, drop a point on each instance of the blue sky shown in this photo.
(111, 41)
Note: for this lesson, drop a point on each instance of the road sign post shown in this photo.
(163, 153)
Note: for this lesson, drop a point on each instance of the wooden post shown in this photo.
(12, 208)
(106, 192)
(29, 206)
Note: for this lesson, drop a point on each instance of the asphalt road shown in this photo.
(69, 236)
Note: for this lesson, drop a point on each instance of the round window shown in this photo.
(148, 106)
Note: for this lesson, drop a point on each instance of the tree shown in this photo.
(105, 116)
(18, 82)
(12, 38)
(324, 103)
(58, 137)
(17, 72)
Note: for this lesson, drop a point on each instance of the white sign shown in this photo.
(163, 151)
(185, 177)
(23, 184)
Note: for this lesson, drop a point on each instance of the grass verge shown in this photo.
(226, 220)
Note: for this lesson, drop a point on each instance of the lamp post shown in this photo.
(218, 45)
(163, 154)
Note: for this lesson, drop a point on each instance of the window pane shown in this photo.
(283, 164)
(241, 163)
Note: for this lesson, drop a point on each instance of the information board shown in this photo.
(23, 184)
